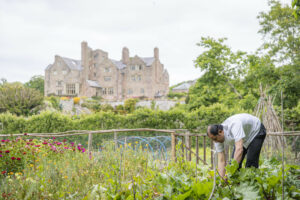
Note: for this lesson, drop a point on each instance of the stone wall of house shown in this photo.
(135, 78)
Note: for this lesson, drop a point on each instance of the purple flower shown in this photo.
(3, 140)
(83, 150)
(59, 143)
(1, 156)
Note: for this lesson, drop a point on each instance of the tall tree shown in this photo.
(281, 33)
(296, 6)
(222, 71)
(36, 82)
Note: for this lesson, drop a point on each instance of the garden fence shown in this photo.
(189, 145)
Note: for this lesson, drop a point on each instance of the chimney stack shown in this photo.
(156, 53)
(125, 55)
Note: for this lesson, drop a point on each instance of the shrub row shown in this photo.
(48, 122)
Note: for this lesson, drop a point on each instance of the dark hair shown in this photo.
(215, 128)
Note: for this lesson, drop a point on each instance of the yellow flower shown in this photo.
(11, 173)
(65, 177)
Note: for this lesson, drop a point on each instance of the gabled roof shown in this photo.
(118, 64)
(93, 84)
(48, 67)
(148, 60)
(183, 86)
(72, 64)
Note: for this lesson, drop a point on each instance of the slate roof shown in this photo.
(48, 67)
(93, 83)
(183, 86)
(118, 64)
(73, 64)
(148, 60)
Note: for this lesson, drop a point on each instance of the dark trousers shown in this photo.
(253, 149)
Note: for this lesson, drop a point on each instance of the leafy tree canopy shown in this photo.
(36, 82)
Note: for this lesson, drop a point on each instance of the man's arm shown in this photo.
(221, 163)
(238, 151)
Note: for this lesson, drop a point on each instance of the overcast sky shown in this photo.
(33, 31)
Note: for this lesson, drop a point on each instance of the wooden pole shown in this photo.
(182, 147)
(173, 146)
(188, 145)
(211, 153)
(90, 142)
(197, 149)
(204, 148)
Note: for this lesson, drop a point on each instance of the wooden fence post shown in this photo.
(188, 145)
(173, 146)
(116, 140)
(90, 142)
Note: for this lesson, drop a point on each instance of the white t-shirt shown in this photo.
(240, 126)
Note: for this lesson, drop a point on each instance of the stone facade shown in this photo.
(98, 75)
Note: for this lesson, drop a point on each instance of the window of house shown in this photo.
(107, 78)
(107, 69)
(95, 65)
(142, 91)
(140, 67)
(64, 72)
(110, 90)
(133, 77)
(95, 74)
(54, 72)
(104, 91)
(70, 89)
(132, 67)
(130, 91)
(96, 55)
(59, 92)
(139, 77)
(59, 83)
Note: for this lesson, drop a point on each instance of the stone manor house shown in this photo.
(98, 75)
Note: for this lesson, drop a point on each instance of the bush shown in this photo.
(54, 102)
(129, 105)
(20, 100)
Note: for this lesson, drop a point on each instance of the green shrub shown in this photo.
(19, 100)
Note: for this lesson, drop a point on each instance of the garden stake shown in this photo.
(214, 165)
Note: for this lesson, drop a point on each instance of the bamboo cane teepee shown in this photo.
(265, 111)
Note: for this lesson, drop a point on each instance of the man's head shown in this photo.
(216, 133)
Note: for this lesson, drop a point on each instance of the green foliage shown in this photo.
(172, 95)
(296, 6)
(129, 105)
(36, 82)
(19, 100)
(55, 102)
